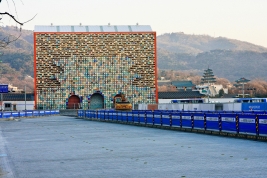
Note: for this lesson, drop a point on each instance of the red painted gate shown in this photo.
(74, 102)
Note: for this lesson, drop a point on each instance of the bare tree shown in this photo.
(223, 81)
(9, 38)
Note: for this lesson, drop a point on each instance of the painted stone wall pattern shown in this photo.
(83, 63)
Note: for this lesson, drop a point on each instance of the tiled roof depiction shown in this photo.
(179, 95)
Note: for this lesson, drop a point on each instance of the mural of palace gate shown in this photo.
(96, 101)
(73, 102)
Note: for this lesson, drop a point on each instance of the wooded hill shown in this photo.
(17, 57)
(230, 59)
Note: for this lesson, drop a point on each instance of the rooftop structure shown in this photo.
(183, 84)
(208, 77)
(93, 28)
(180, 94)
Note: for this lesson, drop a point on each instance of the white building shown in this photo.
(16, 101)
(13, 88)
(211, 89)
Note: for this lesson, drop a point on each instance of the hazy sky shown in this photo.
(244, 20)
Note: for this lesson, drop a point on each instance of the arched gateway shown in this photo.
(73, 102)
(96, 101)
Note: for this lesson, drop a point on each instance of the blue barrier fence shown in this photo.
(29, 113)
(252, 123)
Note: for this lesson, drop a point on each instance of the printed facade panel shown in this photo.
(83, 64)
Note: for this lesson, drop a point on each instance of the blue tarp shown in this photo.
(187, 120)
(6, 115)
(198, 120)
(46, 113)
(224, 121)
(176, 119)
(228, 122)
(262, 124)
(15, 114)
(247, 124)
(23, 114)
(142, 116)
(212, 121)
(135, 116)
(157, 118)
(42, 113)
(130, 116)
(165, 116)
(149, 117)
(36, 113)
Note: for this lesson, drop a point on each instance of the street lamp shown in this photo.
(242, 81)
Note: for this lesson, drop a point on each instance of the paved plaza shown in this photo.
(61, 146)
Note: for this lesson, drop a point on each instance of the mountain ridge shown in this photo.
(230, 59)
(185, 43)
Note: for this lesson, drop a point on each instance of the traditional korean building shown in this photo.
(86, 66)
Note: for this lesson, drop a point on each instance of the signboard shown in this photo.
(3, 88)
(254, 106)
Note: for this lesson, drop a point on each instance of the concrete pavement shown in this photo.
(61, 146)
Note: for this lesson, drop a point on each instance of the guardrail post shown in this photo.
(127, 116)
(192, 121)
(138, 120)
(257, 125)
(153, 119)
(145, 118)
(205, 122)
(237, 123)
(117, 116)
(220, 122)
(160, 118)
(132, 117)
(170, 116)
(181, 120)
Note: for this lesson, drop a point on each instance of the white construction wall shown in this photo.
(220, 100)
(20, 105)
(232, 106)
(194, 107)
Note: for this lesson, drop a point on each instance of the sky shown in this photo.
(243, 20)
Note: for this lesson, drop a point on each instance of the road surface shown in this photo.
(61, 146)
